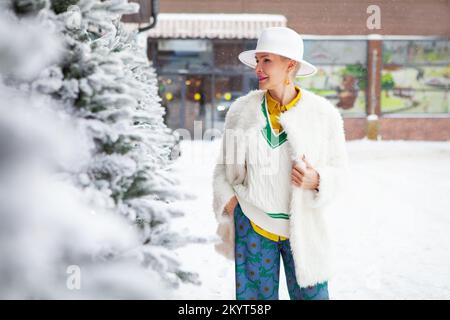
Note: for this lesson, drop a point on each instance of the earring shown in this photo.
(287, 82)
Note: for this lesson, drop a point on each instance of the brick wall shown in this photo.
(404, 128)
(334, 17)
(355, 128)
(415, 129)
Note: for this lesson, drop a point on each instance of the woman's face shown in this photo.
(272, 70)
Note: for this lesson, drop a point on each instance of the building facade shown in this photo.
(387, 68)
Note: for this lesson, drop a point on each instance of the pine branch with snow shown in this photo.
(103, 85)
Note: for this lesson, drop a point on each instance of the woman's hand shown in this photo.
(229, 208)
(307, 178)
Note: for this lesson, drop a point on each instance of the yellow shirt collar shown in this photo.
(274, 105)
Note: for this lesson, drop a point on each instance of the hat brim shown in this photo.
(248, 58)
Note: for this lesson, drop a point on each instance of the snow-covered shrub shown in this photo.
(85, 157)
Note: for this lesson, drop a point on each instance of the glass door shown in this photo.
(171, 92)
(226, 89)
(197, 104)
(187, 101)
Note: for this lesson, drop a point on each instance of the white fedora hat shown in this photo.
(282, 41)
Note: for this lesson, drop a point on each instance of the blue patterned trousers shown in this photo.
(257, 266)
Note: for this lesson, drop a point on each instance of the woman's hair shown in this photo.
(296, 68)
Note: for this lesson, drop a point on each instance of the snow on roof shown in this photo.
(219, 25)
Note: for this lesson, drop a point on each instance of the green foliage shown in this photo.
(387, 81)
(122, 146)
(60, 6)
(359, 72)
(387, 56)
(26, 7)
(138, 187)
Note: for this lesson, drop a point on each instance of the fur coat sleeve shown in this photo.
(335, 171)
(227, 174)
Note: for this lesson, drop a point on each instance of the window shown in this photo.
(415, 76)
(184, 54)
(341, 75)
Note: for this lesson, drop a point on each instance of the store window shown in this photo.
(199, 79)
(171, 92)
(177, 55)
(226, 54)
(415, 77)
(341, 75)
(187, 101)
(227, 89)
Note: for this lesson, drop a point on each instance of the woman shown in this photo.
(282, 160)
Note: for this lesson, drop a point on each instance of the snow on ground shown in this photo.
(391, 227)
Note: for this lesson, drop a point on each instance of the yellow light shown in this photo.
(169, 96)
(227, 96)
(197, 96)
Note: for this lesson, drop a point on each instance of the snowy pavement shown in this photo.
(391, 227)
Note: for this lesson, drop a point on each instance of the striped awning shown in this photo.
(218, 26)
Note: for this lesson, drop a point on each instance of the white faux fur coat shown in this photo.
(315, 129)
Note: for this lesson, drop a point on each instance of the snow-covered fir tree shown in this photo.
(103, 90)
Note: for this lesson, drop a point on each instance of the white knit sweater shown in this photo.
(265, 194)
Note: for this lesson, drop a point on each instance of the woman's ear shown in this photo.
(291, 67)
(296, 67)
